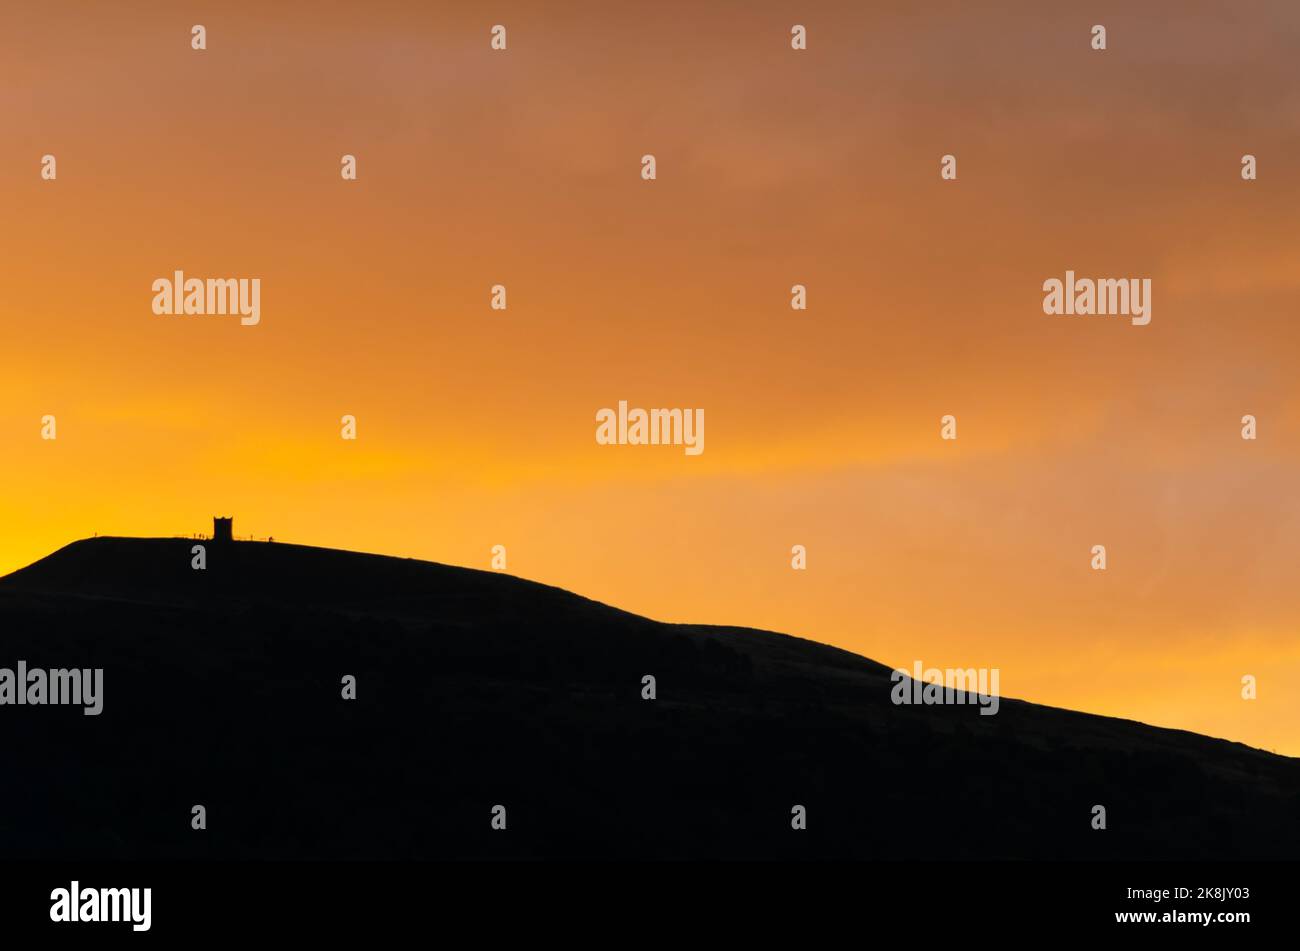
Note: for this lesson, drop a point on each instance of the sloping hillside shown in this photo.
(223, 688)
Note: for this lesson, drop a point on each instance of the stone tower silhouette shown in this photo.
(223, 529)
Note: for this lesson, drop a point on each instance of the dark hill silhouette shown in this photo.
(222, 688)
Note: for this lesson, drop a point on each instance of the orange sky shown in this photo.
(775, 167)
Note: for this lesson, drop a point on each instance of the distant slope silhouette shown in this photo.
(222, 688)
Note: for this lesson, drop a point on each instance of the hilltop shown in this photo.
(474, 688)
